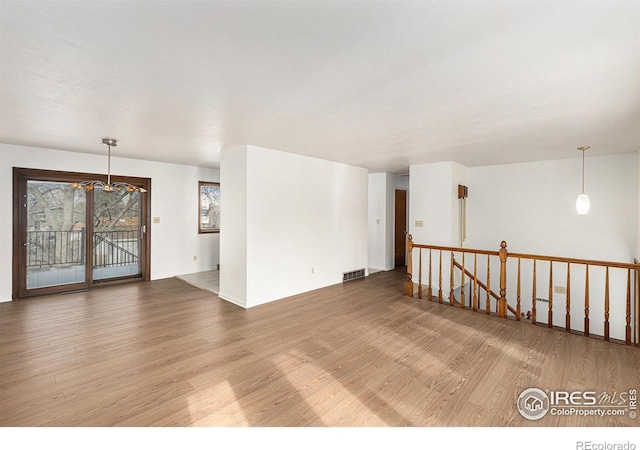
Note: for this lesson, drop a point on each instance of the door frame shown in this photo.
(19, 257)
(406, 220)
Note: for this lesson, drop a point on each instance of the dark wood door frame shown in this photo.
(400, 227)
(20, 178)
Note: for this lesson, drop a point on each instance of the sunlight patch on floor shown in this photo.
(226, 410)
(326, 396)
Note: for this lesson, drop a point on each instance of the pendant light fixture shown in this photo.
(583, 203)
(109, 186)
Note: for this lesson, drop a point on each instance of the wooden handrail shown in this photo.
(632, 320)
(456, 249)
(591, 262)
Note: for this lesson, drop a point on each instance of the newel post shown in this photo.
(502, 303)
(409, 282)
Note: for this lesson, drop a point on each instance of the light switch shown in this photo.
(156, 220)
(378, 221)
(419, 223)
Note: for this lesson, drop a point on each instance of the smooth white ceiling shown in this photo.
(380, 85)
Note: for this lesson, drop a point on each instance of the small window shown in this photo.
(209, 207)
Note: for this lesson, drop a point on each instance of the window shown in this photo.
(209, 207)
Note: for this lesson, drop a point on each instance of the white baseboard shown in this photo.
(232, 299)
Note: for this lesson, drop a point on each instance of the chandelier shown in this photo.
(109, 186)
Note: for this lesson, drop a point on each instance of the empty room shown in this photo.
(322, 216)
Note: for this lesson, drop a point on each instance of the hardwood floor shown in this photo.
(165, 353)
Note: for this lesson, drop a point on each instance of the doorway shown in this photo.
(68, 239)
(400, 221)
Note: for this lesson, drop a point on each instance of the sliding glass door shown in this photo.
(67, 239)
(117, 234)
(55, 234)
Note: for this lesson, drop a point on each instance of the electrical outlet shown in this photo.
(560, 290)
(195, 257)
(156, 220)
(313, 270)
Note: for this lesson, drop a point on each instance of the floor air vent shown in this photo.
(346, 276)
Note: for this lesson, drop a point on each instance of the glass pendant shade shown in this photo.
(583, 204)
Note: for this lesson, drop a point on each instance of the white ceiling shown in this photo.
(380, 85)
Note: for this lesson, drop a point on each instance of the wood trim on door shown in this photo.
(20, 178)
(400, 227)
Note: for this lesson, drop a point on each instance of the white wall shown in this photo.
(377, 218)
(382, 220)
(532, 207)
(306, 223)
(434, 201)
(174, 199)
(401, 181)
(233, 220)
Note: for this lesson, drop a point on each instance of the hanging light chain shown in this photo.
(583, 149)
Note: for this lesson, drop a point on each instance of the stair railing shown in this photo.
(627, 285)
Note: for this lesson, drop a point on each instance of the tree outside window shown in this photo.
(209, 207)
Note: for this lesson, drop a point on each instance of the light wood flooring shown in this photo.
(165, 353)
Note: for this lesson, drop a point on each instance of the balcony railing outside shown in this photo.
(67, 248)
(55, 248)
